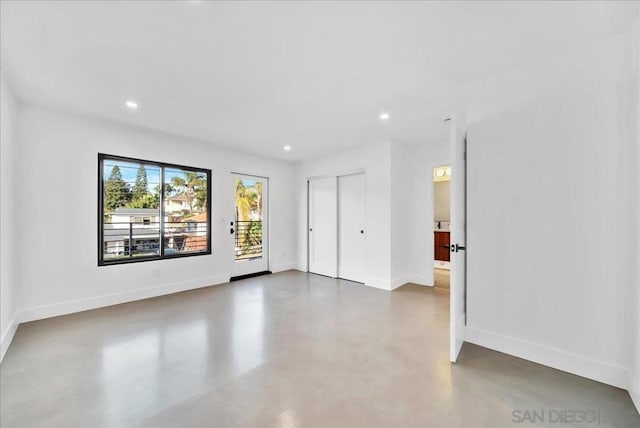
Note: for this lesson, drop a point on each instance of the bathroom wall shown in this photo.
(442, 201)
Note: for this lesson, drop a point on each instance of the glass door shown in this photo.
(250, 228)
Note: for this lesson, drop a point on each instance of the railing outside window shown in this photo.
(248, 240)
(124, 240)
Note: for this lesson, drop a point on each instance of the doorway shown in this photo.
(441, 226)
(250, 225)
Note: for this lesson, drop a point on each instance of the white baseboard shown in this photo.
(418, 280)
(79, 305)
(635, 398)
(634, 391)
(398, 282)
(282, 267)
(7, 337)
(558, 359)
(382, 284)
(421, 280)
(385, 284)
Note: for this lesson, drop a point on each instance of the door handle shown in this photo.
(455, 248)
(231, 231)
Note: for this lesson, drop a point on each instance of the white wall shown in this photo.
(635, 367)
(420, 213)
(8, 144)
(442, 200)
(57, 259)
(374, 159)
(552, 215)
(401, 204)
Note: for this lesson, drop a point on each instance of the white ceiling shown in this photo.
(260, 75)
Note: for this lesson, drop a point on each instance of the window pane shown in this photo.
(131, 210)
(185, 210)
(133, 222)
(248, 220)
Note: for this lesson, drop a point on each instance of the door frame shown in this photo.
(268, 231)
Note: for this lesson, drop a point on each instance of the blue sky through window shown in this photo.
(129, 170)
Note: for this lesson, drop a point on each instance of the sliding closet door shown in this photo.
(351, 233)
(323, 227)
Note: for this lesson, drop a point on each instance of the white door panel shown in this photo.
(458, 233)
(351, 233)
(323, 226)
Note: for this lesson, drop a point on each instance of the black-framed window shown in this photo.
(151, 210)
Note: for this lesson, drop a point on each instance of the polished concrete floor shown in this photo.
(285, 350)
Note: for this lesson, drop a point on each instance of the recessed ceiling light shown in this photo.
(384, 116)
(131, 104)
(287, 148)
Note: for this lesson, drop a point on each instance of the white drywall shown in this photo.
(400, 202)
(551, 216)
(375, 160)
(634, 389)
(8, 213)
(57, 250)
(442, 201)
(420, 213)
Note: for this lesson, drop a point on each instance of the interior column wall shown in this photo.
(419, 213)
(402, 228)
(8, 212)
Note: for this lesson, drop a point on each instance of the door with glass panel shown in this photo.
(249, 226)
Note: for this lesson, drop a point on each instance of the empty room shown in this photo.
(335, 214)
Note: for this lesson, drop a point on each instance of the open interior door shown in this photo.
(458, 226)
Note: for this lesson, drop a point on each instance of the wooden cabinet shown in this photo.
(441, 243)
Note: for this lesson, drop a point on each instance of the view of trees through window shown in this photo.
(146, 203)
(248, 219)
